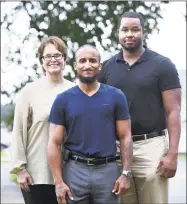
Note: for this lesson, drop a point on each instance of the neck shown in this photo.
(127, 55)
(55, 79)
(87, 88)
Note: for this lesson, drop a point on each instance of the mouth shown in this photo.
(88, 70)
(129, 42)
(53, 64)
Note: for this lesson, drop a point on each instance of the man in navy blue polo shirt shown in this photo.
(92, 114)
(151, 84)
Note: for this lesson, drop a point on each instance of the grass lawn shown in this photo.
(182, 156)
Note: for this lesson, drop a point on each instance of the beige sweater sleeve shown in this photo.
(19, 134)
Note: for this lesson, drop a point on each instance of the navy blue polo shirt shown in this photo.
(90, 121)
(143, 84)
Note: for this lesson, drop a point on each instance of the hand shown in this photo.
(24, 179)
(168, 166)
(61, 190)
(121, 185)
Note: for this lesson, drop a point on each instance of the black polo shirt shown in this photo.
(142, 84)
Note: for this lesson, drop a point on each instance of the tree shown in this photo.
(77, 23)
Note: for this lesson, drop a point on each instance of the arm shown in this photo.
(56, 134)
(18, 148)
(169, 85)
(124, 131)
(123, 127)
(57, 120)
(172, 105)
(19, 143)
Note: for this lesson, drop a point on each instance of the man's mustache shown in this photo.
(88, 69)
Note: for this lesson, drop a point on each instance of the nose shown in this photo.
(129, 33)
(53, 58)
(87, 64)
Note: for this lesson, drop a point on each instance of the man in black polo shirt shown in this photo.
(91, 113)
(151, 84)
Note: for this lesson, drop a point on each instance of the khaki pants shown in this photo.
(147, 186)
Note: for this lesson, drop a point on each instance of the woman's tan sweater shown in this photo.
(29, 146)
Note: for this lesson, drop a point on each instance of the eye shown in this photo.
(124, 30)
(47, 56)
(135, 30)
(93, 60)
(57, 55)
(82, 60)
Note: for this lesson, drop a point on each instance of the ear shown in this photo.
(144, 33)
(43, 68)
(117, 32)
(64, 65)
(75, 66)
(100, 66)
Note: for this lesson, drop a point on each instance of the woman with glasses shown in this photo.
(31, 129)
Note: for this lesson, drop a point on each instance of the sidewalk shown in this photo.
(10, 193)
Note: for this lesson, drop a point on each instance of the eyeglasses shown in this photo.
(56, 56)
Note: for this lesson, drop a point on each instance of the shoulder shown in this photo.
(159, 57)
(69, 84)
(115, 94)
(26, 93)
(113, 90)
(32, 86)
(161, 63)
(69, 92)
(66, 96)
(107, 67)
(110, 61)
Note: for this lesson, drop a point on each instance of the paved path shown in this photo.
(10, 193)
(177, 185)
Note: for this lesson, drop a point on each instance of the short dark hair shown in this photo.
(132, 15)
(89, 46)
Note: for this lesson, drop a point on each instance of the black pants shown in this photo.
(40, 194)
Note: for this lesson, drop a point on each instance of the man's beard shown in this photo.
(132, 48)
(87, 80)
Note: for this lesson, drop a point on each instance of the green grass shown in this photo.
(13, 178)
(3, 155)
(182, 156)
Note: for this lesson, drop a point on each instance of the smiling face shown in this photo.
(87, 64)
(131, 34)
(53, 60)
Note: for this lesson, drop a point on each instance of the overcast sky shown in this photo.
(171, 40)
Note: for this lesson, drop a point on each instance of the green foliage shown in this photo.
(7, 116)
(13, 178)
(3, 155)
(93, 22)
(77, 23)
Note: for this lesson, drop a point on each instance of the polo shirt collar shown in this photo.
(119, 56)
